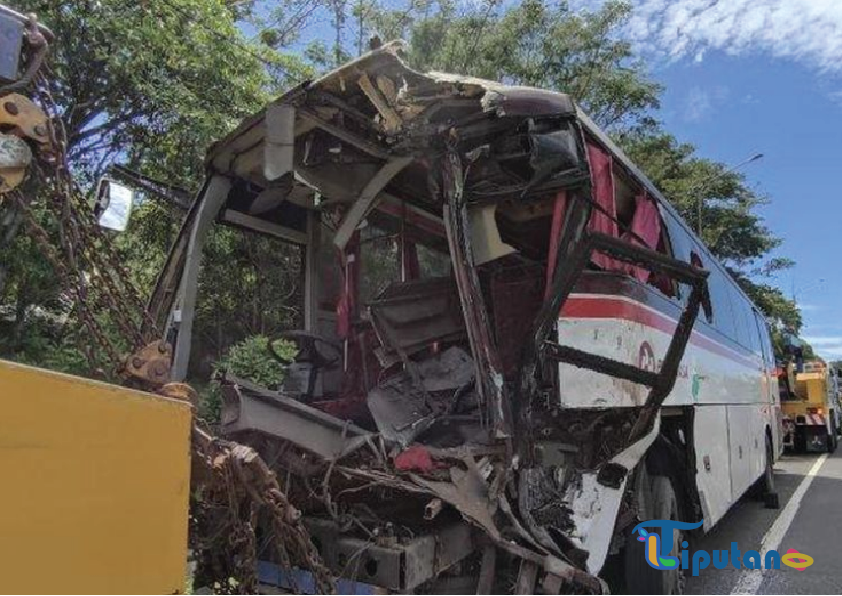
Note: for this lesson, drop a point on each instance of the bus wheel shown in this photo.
(656, 499)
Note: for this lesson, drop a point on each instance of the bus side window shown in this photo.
(707, 307)
(756, 344)
(742, 331)
(765, 339)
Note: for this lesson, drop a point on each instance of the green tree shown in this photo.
(150, 84)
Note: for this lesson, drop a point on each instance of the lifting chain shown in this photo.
(86, 264)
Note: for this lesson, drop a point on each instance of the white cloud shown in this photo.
(809, 31)
(700, 102)
(697, 105)
(809, 307)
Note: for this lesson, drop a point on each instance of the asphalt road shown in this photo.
(809, 521)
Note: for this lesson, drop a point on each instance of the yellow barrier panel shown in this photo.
(94, 486)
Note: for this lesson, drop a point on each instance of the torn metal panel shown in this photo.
(247, 408)
(594, 506)
(391, 121)
(542, 506)
(469, 493)
(402, 410)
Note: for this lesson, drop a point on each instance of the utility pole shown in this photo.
(701, 200)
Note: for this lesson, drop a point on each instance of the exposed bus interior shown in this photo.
(442, 224)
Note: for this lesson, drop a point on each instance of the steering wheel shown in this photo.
(306, 343)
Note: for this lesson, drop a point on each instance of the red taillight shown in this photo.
(814, 410)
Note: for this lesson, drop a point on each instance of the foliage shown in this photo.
(138, 76)
(251, 360)
(249, 286)
(150, 84)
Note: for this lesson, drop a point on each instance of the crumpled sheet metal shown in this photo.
(594, 506)
(469, 494)
(402, 411)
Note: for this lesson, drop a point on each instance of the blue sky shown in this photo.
(747, 76)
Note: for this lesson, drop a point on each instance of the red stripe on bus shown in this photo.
(613, 308)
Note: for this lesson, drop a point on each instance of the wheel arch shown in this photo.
(673, 455)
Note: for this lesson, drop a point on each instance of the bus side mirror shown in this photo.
(113, 204)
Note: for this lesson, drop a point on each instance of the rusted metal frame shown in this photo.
(555, 566)
(602, 364)
(400, 567)
(682, 272)
(572, 256)
(489, 369)
(651, 259)
(343, 135)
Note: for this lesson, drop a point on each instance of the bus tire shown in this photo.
(656, 499)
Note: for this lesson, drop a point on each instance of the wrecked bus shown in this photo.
(545, 355)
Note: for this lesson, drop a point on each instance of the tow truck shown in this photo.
(811, 408)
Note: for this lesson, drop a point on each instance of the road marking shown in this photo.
(750, 579)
